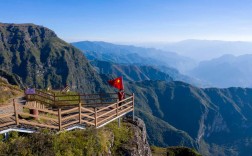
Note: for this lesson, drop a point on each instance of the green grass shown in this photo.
(173, 151)
(90, 141)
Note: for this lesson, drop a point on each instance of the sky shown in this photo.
(135, 21)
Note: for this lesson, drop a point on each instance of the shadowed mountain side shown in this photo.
(41, 59)
(162, 133)
(217, 119)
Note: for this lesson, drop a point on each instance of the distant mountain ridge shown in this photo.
(133, 55)
(226, 71)
(130, 56)
(208, 49)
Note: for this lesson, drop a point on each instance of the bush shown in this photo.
(79, 142)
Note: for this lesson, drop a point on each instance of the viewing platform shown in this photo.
(63, 111)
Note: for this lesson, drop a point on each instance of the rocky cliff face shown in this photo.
(41, 59)
(138, 145)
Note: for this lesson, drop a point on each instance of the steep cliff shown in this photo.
(36, 55)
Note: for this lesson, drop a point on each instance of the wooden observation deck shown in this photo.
(64, 111)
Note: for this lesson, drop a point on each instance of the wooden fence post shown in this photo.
(59, 117)
(15, 112)
(95, 115)
(54, 98)
(119, 120)
(80, 113)
(133, 105)
(117, 103)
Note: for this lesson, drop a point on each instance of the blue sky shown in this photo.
(135, 20)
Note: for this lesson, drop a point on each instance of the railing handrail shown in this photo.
(81, 97)
(62, 116)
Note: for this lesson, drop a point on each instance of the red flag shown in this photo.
(117, 83)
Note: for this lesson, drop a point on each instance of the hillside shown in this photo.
(40, 59)
(216, 121)
(8, 91)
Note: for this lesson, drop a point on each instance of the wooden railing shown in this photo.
(60, 112)
(6, 116)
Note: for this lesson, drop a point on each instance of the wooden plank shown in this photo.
(95, 116)
(79, 112)
(84, 115)
(41, 110)
(70, 123)
(37, 124)
(106, 119)
(69, 117)
(117, 109)
(70, 110)
(107, 113)
(126, 99)
(126, 110)
(133, 107)
(6, 107)
(8, 123)
(6, 115)
(59, 118)
(125, 104)
(15, 112)
(106, 107)
(85, 109)
(90, 123)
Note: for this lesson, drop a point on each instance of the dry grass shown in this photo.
(8, 91)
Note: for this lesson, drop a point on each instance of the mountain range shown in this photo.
(214, 121)
(129, 56)
(202, 50)
(226, 71)
(134, 55)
